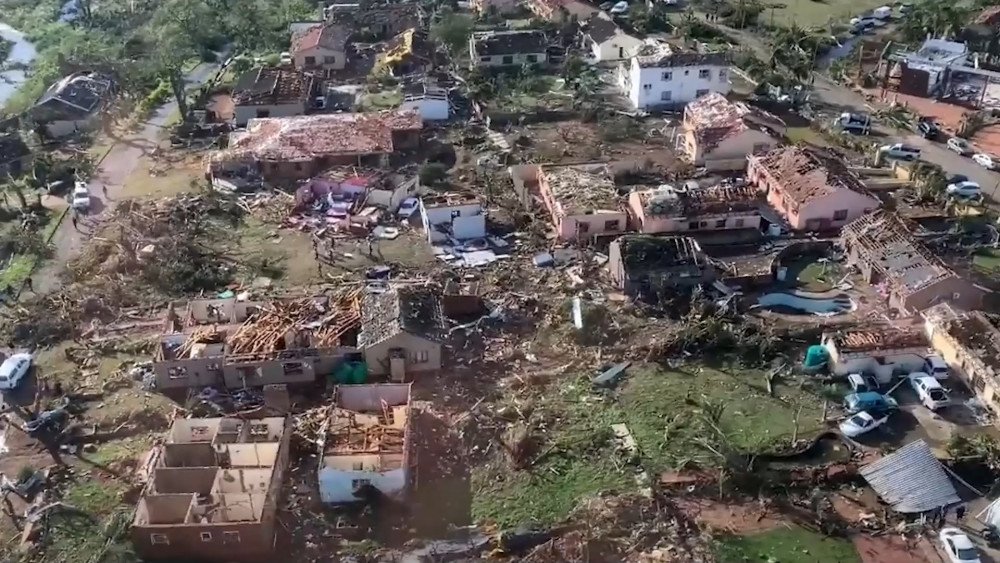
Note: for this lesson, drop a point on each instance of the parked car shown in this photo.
(928, 129)
(936, 366)
(959, 145)
(964, 189)
(929, 391)
(862, 382)
(874, 403)
(81, 197)
(957, 546)
(857, 123)
(985, 160)
(862, 423)
(619, 8)
(408, 207)
(285, 58)
(13, 370)
(901, 151)
(956, 178)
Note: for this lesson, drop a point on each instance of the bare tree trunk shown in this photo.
(180, 94)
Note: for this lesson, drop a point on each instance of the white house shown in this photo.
(662, 76)
(365, 442)
(431, 102)
(606, 41)
(452, 216)
(882, 351)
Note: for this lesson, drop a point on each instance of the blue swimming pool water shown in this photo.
(806, 304)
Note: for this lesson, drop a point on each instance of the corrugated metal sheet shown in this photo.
(911, 479)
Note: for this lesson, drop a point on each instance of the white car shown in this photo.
(408, 207)
(13, 370)
(985, 160)
(81, 197)
(964, 189)
(861, 423)
(959, 145)
(957, 546)
(929, 390)
(900, 151)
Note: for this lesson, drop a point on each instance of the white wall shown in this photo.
(469, 223)
(336, 486)
(609, 50)
(430, 109)
(243, 114)
(892, 362)
(645, 87)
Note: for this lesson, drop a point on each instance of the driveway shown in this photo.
(120, 162)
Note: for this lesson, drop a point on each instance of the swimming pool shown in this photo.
(806, 303)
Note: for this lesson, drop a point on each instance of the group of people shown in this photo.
(323, 250)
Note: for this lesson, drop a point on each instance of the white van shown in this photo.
(936, 366)
(901, 151)
(13, 370)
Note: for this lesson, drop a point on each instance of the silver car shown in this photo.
(959, 145)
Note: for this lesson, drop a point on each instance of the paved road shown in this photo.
(117, 166)
(830, 93)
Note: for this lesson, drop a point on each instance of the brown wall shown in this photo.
(255, 543)
(970, 297)
(377, 356)
(318, 363)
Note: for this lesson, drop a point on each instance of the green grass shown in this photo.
(120, 450)
(94, 497)
(987, 259)
(17, 270)
(660, 408)
(809, 274)
(387, 99)
(784, 545)
(810, 13)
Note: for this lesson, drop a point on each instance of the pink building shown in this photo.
(581, 200)
(717, 208)
(813, 190)
(719, 134)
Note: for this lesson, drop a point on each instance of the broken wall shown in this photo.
(338, 486)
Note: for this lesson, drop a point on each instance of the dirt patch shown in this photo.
(892, 548)
(736, 519)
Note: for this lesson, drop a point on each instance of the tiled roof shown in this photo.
(808, 174)
(329, 36)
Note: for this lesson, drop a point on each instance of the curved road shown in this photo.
(119, 163)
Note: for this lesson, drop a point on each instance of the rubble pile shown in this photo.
(173, 245)
(267, 329)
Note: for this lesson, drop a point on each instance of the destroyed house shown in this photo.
(507, 48)
(365, 442)
(375, 22)
(884, 250)
(560, 11)
(234, 344)
(398, 331)
(213, 490)
(969, 341)
(645, 264)
(812, 189)
(714, 209)
(73, 104)
(719, 134)
(452, 217)
(606, 41)
(271, 92)
(292, 148)
(581, 200)
(883, 350)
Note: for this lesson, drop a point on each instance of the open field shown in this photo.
(786, 545)
(663, 409)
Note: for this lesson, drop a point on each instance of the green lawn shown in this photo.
(783, 545)
(661, 409)
(808, 274)
(813, 13)
(987, 259)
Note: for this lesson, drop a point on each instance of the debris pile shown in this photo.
(315, 324)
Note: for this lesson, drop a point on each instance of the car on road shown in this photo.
(956, 178)
(964, 189)
(959, 145)
(900, 151)
(81, 197)
(13, 370)
(929, 390)
(957, 546)
(874, 403)
(928, 129)
(987, 161)
(936, 366)
(862, 423)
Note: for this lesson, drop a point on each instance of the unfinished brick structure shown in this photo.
(233, 344)
(213, 490)
(366, 441)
